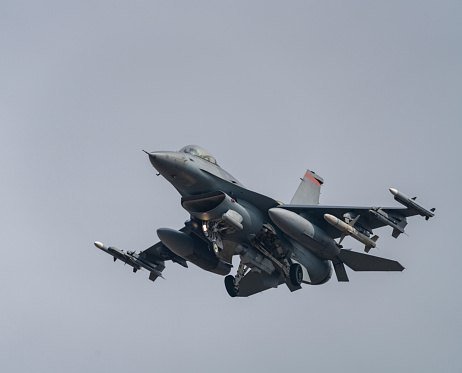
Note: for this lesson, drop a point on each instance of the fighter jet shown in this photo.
(293, 244)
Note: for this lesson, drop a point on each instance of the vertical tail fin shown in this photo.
(309, 190)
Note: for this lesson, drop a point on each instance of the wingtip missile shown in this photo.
(393, 191)
(132, 259)
(117, 254)
(412, 204)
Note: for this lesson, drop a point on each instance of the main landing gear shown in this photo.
(229, 285)
(264, 256)
(232, 283)
(296, 274)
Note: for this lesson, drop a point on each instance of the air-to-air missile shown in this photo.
(130, 258)
(412, 204)
(349, 230)
(397, 223)
(118, 254)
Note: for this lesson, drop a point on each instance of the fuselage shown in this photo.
(196, 174)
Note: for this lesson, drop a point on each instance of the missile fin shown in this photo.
(353, 222)
(342, 237)
(153, 276)
(369, 247)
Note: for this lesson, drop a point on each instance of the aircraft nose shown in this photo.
(152, 158)
(160, 160)
(167, 163)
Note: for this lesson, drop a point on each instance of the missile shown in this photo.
(412, 204)
(116, 253)
(119, 254)
(130, 258)
(385, 219)
(349, 230)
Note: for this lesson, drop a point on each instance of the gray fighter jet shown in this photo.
(277, 244)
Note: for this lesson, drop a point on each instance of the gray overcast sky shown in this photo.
(368, 95)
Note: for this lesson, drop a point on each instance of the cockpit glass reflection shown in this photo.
(198, 152)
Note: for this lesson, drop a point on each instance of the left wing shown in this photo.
(369, 219)
(364, 219)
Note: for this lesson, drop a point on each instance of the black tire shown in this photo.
(296, 274)
(229, 285)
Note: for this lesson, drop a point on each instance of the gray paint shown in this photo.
(309, 190)
(367, 94)
(264, 247)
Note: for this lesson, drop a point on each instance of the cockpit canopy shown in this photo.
(198, 152)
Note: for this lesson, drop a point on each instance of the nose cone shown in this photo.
(332, 220)
(158, 159)
(393, 191)
(152, 158)
(167, 163)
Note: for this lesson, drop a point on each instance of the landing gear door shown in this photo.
(306, 276)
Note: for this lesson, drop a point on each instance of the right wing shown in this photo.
(152, 259)
(158, 254)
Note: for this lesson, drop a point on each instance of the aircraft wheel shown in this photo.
(296, 274)
(229, 284)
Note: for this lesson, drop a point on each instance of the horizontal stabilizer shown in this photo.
(364, 262)
(340, 271)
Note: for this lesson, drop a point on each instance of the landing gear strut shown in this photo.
(212, 232)
(232, 283)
